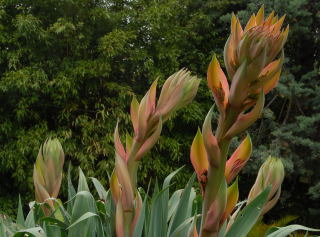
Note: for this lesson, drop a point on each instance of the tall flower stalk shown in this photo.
(147, 118)
(253, 57)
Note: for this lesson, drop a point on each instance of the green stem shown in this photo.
(215, 175)
(133, 164)
(127, 219)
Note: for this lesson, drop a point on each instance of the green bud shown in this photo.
(271, 173)
(47, 173)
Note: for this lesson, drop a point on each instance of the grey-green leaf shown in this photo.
(100, 189)
(285, 231)
(20, 217)
(85, 216)
(181, 213)
(83, 185)
(248, 216)
(36, 232)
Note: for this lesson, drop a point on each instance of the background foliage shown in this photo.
(69, 69)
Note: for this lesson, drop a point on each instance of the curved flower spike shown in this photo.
(250, 54)
(259, 34)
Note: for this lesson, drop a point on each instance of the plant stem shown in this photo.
(215, 175)
(133, 164)
(127, 219)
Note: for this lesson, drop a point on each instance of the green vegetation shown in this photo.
(69, 68)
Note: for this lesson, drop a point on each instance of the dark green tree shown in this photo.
(70, 68)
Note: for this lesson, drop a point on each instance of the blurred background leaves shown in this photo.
(70, 68)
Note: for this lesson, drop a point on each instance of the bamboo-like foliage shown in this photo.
(124, 211)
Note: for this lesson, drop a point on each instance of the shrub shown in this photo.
(253, 70)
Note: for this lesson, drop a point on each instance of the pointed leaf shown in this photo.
(238, 159)
(210, 141)
(232, 199)
(134, 108)
(114, 187)
(83, 209)
(125, 182)
(278, 24)
(100, 189)
(85, 216)
(183, 228)
(251, 23)
(272, 83)
(260, 16)
(118, 144)
(129, 141)
(248, 216)
(182, 209)
(35, 231)
(83, 185)
(239, 86)
(139, 225)
(246, 120)
(198, 155)
(167, 180)
(20, 217)
(229, 58)
(218, 83)
(137, 211)
(71, 190)
(287, 230)
(150, 142)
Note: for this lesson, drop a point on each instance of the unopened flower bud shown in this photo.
(251, 53)
(47, 173)
(271, 173)
(178, 91)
